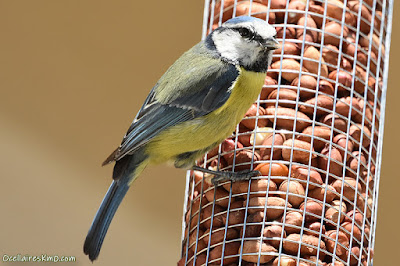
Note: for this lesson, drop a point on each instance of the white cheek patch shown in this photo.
(249, 53)
(233, 48)
(226, 44)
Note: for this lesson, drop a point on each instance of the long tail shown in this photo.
(104, 215)
(125, 171)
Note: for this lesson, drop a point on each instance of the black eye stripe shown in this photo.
(244, 32)
(249, 34)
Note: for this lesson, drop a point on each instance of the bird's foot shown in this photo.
(222, 176)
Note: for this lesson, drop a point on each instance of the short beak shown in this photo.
(272, 44)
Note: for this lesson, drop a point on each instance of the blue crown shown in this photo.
(242, 19)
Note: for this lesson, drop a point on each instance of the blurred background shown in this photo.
(72, 76)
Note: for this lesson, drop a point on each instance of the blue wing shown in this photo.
(195, 85)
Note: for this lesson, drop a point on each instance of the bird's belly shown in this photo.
(203, 132)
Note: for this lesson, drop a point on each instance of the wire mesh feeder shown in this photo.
(315, 134)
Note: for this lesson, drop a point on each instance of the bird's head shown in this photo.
(246, 41)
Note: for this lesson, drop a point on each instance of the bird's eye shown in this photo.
(244, 32)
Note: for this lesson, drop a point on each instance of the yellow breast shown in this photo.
(202, 132)
(244, 92)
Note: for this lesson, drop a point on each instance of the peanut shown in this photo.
(299, 153)
(296, 192)
(349, 187)
(355, 233)
(344, 81)
(272, 235)
(311, 26)
(335, 213)
(333, 31)
(285, 98)
(320, 194)
(221, 196)
(314, 229)
(270, 84)
(236, 214)
(309, 244)
(311, 58)
(231, 249)
(275, 206)
(286, 117)
(290, 68)
(321, 104)
(332, 159)
(341, 140)
(297, 5)
(342, 243)
(258, 10)
(284, 261)
(339, 124)
(313, 210)
(218, 235)
(307, 82)
(258, 187)
(277, 170)
(311, 177)
(318, 133)
(293, 221)
(273, 144)
(252, 112)
(253, 246)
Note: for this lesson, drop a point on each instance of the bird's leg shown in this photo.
(221, 176)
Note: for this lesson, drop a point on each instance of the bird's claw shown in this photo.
(234, 176)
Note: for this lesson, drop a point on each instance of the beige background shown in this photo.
(72, 76)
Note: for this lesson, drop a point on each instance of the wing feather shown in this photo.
(193, 95)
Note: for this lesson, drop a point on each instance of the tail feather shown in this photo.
(111, 157)
(104, 215)
(126, 170)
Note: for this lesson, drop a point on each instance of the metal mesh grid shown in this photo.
(315, 133)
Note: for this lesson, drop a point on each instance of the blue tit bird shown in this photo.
(195, 105)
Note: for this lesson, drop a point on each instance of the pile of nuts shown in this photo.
(313, 136)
